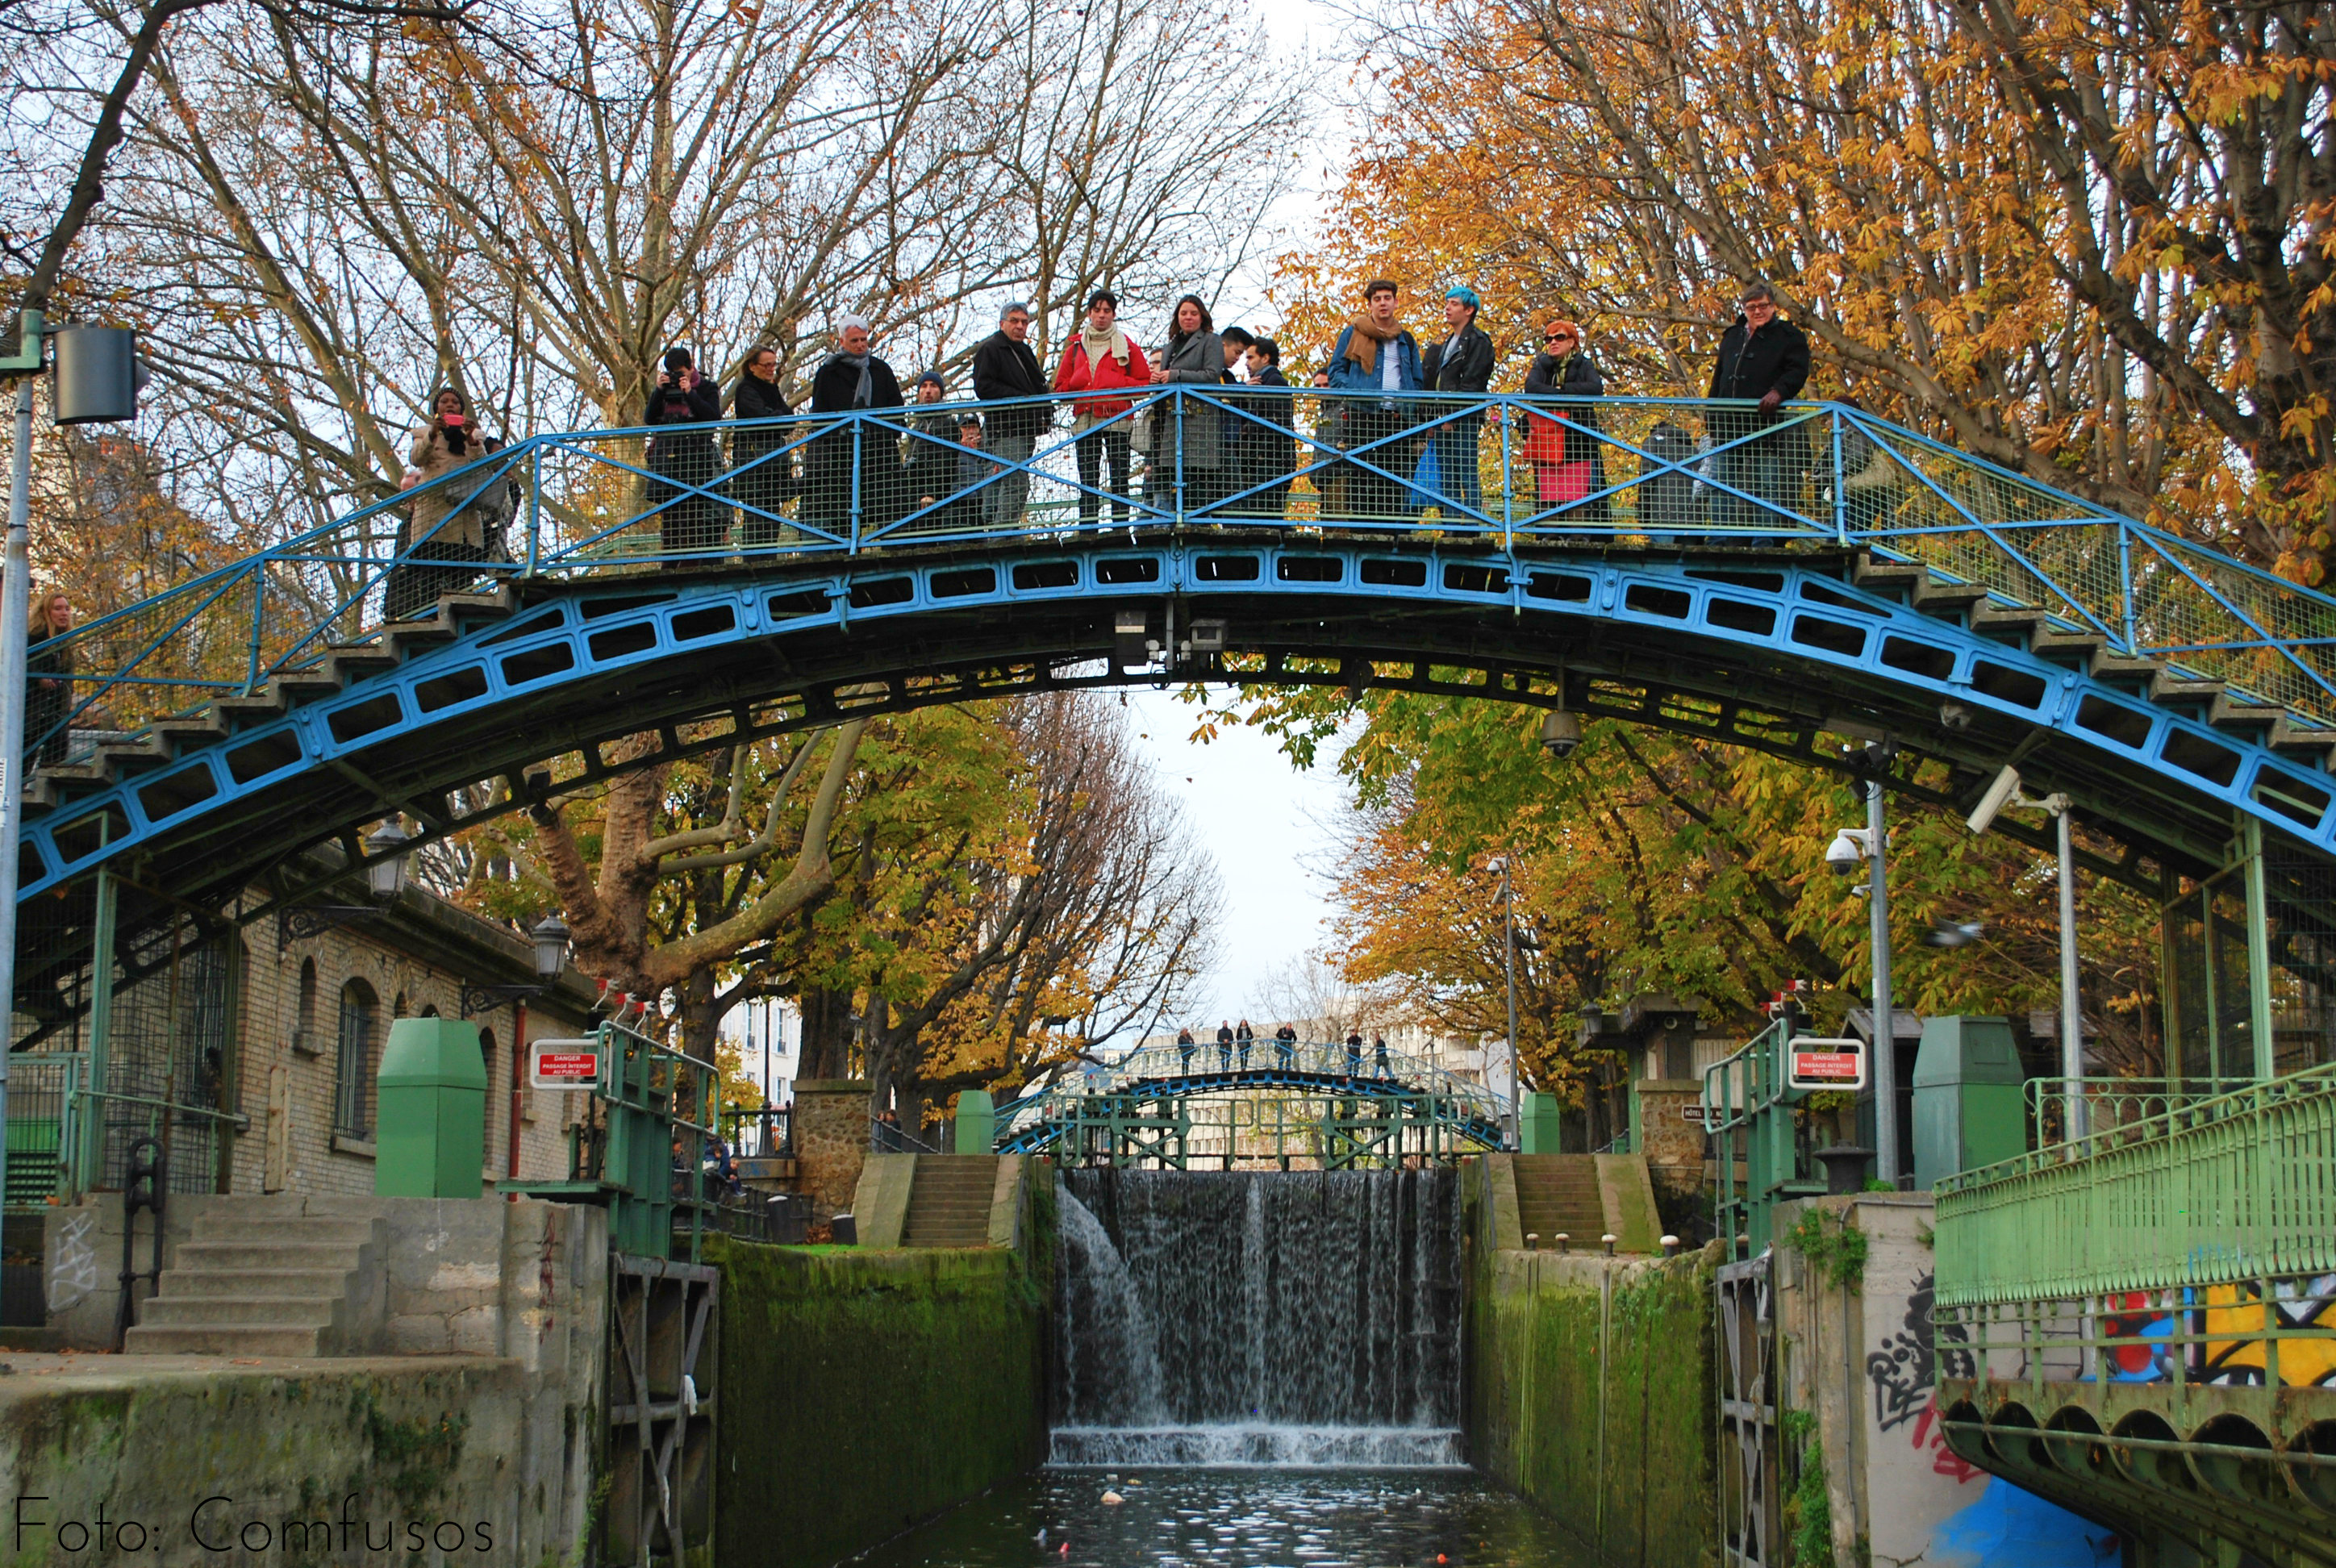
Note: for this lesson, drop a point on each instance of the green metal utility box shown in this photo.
(1968, 1110)
(977, 1123)
(1537, 1123)
(432, 1138)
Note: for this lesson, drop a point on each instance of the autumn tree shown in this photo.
(1011, 893)
(1647, 861)
(2090, 243)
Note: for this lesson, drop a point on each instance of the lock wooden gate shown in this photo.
(1751, 1471)
(663, 1356)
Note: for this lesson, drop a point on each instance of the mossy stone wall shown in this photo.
(864, 1391)
(1591, 1392)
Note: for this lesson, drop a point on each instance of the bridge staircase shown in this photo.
(1558, 1195)
(303, 1286)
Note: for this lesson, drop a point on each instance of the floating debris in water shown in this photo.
(1112, 1499)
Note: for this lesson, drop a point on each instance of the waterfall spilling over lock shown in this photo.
(1258, 1318)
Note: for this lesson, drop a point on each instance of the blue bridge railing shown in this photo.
(1496, 473)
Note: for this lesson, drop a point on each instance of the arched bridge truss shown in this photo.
(1310, 1105)
(1978, 618)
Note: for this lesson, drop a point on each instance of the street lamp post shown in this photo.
(1885, 1017)
(1509, 965)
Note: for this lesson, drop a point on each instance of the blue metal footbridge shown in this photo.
(1778, 586)
(1325, 1105)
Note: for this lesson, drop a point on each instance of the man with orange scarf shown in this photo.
(1378, 357)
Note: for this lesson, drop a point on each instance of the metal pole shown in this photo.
(1885, 1017)
(2072, 1017)
(1509, 930)
(16, 622)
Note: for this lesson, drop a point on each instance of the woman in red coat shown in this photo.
(1568, 460)
(1101, 358)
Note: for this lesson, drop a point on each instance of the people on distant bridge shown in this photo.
(1101, 358)
(1004, 368)
(1375, 354)
(1225, 1046)
(1379, 1068)
(690, 520)
(1243, 1036)
(1186, 1047)
(48, 684)
(1354, 1053)
(1266, 451)
(1195, 356)
(1462, 362)
(1568, 461)
(854, 378)
(929, 471)
(447, 527)
(1764, 359)
(767, 481)
(1285, 1046)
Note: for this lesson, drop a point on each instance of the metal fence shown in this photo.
(1499, 472)
(2192, 1239)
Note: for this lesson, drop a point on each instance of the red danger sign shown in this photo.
(1827, 1065)
(565, 1065)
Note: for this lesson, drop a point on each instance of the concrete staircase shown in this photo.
(949, 1203)
(303, 1287)
(1558, 1195)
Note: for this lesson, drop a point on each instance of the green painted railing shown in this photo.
(2222, 1191)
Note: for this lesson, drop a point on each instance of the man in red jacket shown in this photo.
(1101, 358)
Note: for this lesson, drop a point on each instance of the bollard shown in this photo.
(1670, 1246)
(1609, 1239)
(1564, 1242)
(1532, 1240)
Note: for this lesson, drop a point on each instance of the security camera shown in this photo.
(1561, 732)
(2002, 792)
(1954, 715)
(1846, 853)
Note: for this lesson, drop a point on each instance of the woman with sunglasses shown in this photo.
(1568, 459)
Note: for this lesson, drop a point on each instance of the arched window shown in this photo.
(304, 1026)
(353, 1093)
(430, 1010)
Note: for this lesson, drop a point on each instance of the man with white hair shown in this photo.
(854, 379)
(1005, 367)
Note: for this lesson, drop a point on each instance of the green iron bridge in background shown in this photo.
(1310, 1105)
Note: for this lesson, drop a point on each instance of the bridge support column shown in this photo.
(2259, 1013)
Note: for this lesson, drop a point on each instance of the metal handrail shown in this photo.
(594, 503)
(2215, 1191)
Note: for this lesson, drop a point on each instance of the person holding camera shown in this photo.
(446, 530)
(691, 520)
(854, 380)
(762, 472)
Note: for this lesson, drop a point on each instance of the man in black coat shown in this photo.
(1763, 359)
(854, 379)
(1461, 363)
(1004, 367)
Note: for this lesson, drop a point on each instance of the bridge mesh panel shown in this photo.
(2301, 896)
(2210, 1005)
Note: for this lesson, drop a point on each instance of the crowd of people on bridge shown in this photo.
(1390, 450)
(1235, 1042)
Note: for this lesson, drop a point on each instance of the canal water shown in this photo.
(1255, 1369)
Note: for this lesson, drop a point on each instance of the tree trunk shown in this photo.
(826, 1034)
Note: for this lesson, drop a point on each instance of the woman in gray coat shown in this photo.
(1195, 357)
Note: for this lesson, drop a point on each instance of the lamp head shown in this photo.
(551, 948)
(385, 870)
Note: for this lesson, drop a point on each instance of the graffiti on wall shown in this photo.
(2227, 1326)
(1904, 1376)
